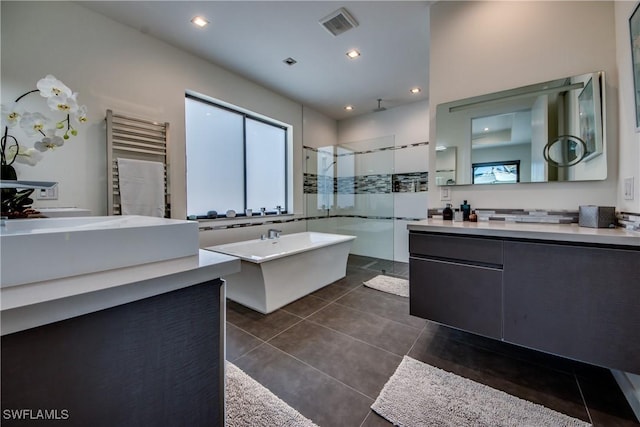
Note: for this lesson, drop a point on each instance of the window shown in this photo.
(235, 161)
(496, 172)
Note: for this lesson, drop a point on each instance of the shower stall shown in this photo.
(348, 189)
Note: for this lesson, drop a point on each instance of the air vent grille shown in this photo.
(339, 22)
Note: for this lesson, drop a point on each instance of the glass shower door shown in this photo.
(348, 190)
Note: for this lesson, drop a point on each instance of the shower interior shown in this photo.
(348, 189)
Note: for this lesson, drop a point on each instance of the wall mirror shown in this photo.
(545, 132)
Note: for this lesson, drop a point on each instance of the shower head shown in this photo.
(380, 108)
(327, 168)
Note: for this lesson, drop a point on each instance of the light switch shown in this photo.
(50, 193)
(445, 193)
(628, 188)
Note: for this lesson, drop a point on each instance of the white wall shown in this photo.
(318, 130)
(407, 124)
(629, 140)
(479, 47)
(112, 66)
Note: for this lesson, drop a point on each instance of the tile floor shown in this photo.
(329, 354)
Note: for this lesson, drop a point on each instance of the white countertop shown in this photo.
(538, 231)
(34, 304)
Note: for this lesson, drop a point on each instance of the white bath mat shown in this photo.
(392, 285)
(418, 394)
(250, 404)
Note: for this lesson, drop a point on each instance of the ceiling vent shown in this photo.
(339, 22)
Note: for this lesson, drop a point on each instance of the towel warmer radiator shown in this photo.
(134, 138)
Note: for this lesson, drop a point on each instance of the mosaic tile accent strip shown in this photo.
(373, 150)
(346, 184)
(520, 215)
(206, 227)
(410, 182)
(628, 220)
(372, 184)
(366, 184)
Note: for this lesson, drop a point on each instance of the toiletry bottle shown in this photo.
(457, 215)
(447, 213)
(466, 210)
(473, 217)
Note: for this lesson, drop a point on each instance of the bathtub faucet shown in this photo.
(273, 233)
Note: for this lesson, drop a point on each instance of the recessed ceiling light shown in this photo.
(353, 54)
(486, 129)
(415, 90)
(348, 107)
(199, 21)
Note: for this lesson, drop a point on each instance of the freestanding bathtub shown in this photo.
(278, 271)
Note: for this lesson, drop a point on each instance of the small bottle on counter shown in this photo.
(457, 215)
(447, 213)
(466, 210)
(473, 217)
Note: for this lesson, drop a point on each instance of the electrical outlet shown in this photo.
(50, 193)
(628, 188)
(445, 193)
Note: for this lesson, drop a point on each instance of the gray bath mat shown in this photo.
(392, 285)
(418, 394)
(250, 404)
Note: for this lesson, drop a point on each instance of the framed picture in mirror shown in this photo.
(588, 115)
(634, 29)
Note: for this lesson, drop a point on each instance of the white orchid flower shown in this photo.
(49, 142)
(50, 86)
(11, 115)
(33, 123)
(27, 156)
(64, 103)
(80, 115)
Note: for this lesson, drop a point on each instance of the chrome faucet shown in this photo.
(273, 233)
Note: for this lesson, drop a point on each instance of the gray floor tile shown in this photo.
(317, 396)
(239, 342)
(339, 288)
(263, 326)
(306, 306)
(375, 420)
(353, 362)
(378, 331)
(604, 399)
(385, 305)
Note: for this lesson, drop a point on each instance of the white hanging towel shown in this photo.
(141, 187)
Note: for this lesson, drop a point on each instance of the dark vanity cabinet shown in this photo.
(576, 300)
(457, 281)
(157, 361)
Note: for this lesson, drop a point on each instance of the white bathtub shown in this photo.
(278, 271)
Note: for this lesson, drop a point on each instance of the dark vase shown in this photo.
(8, 172)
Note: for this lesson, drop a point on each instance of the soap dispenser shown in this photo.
(447, 213)
(466, 210)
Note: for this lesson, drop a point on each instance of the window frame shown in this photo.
(497, 163)
(247, 115)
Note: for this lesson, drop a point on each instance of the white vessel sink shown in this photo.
(34, 250)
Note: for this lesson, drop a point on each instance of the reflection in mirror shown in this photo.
(446, 165)
(551, 131)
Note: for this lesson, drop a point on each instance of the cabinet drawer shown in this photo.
(463, 296)
(471, 249)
